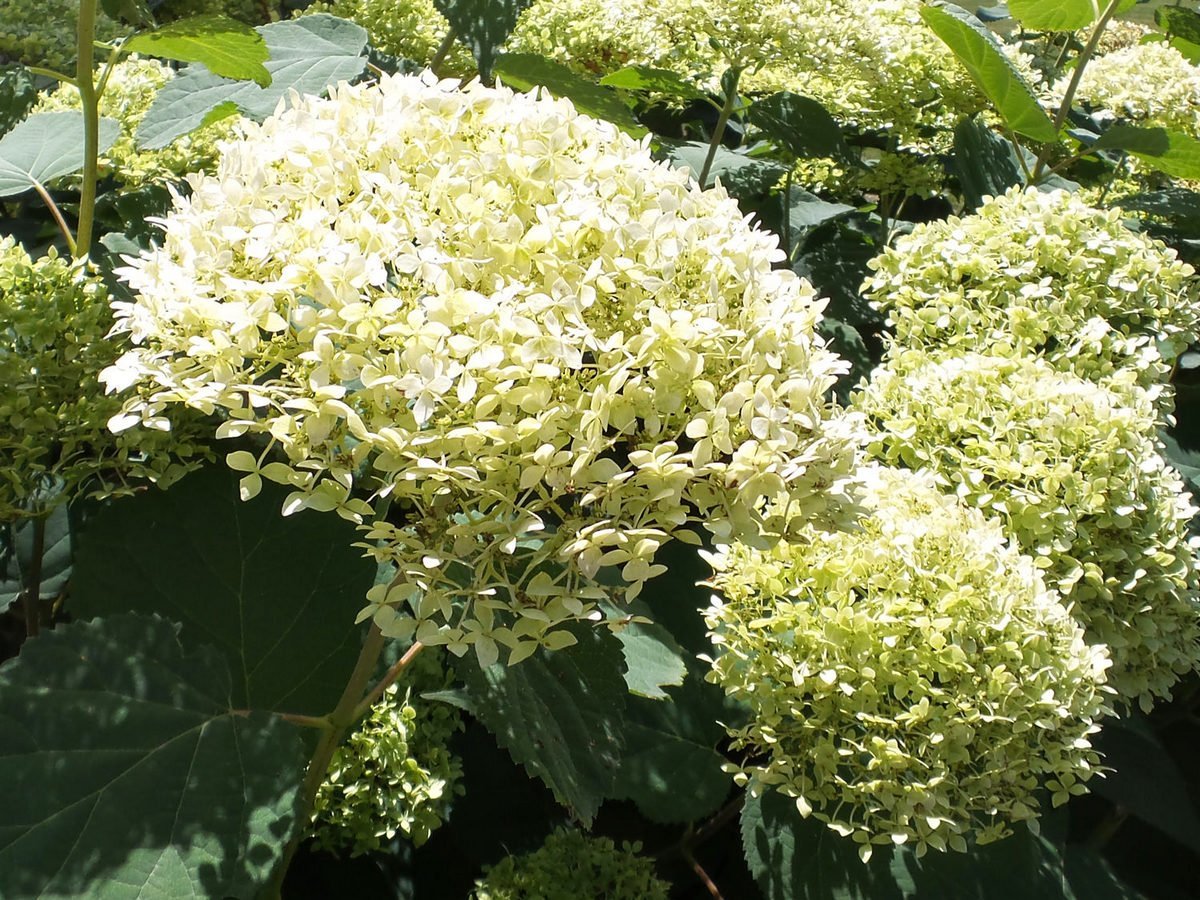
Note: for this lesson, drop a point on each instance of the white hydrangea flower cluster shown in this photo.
(1152, 84)
(549, 351)
(1033, 272)
(912, 680)
(1073, 469)
(127, 97)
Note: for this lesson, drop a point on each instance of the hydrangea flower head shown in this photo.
(550, 352)
(54, 439)
(910, 680)
(1073, 469)
(1040, 273)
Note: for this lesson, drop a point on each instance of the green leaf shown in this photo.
(228, 48)
(132, 12)
(744, 177)
(793, 858)
(525, 71)
(44, 147)
(1171, 152)
(993, 72)
(800, 125)
(670, 767)
(653, 660)
(653, 81)
(560, 715)
(985, 163)
(1179, 22)
(16, 557)
(1053, 15)
(482, 26)
(18, 93)
(277, 596)
(1146, 781)
(126, 776)
(307, 55)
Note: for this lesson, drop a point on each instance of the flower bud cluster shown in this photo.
(912, 680)
(571, 865)
(549, 352)
(54, 440)
(395, 774)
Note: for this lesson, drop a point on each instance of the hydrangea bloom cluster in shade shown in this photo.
(1073, 469)
(569, 866)
(550, 351)
(1042, 273)
(394, 774)
(54, 439)
(912, 680)
(1152, 84)
(127, 98)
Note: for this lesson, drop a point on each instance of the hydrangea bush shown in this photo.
(550, 352)
(910, 680)
(55, 443)
(570, 865)
(1040, 273)
(1073, 469)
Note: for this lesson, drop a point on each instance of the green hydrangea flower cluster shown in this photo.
(1073, 469)
(42, 32)
(395, 773)
(911, 680)
(1043, 273)
(54, 440)
(1153, 84)
(550, 351)
(127, 98)
(410, 29)
(572, 866)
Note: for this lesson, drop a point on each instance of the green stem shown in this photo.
(31, 595)
(439, 55)
(722, 120)
(1080, 64)
(787, 212)
(91, 126)
(340, 720)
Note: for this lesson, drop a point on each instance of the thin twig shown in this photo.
(58, 216)
(388, 679)
(702, 875)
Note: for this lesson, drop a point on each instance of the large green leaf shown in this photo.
(653, 660)
(800, 125)
(993, 72)
(742, 176)
(986, 163)
(560, 715)
(307, 55)
(1054, 15)
(1171, 152)
(671, 768)
(793, 858)
(278, 596)
(525, 71)
(228, 48)
(1179, 22)
(44, 147)
(482, 26)
(1179, 206)
(1146, 781)
(16, 557)
(125, 775)
(653, 81)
